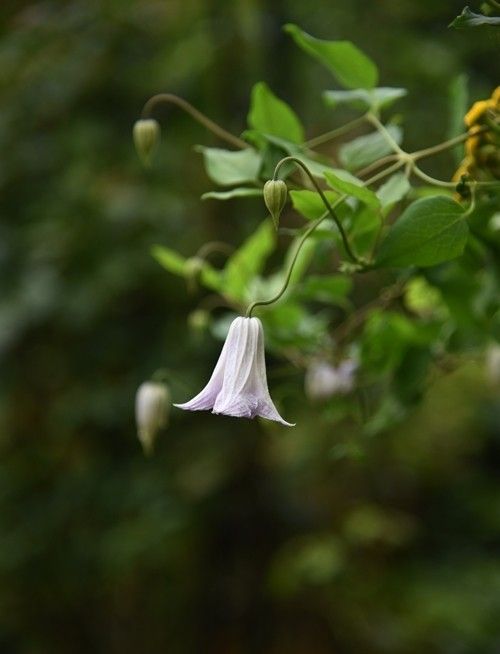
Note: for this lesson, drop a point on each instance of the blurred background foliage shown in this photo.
(236, 536)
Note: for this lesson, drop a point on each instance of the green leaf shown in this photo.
(351, 67)
(365, 99)
(242, 192)
(386, 337)
(271, 285)
(302, 261)
(364, 150)
(428, 232)
(394, 190)
(469, 19)
(354, 190)
(316, 167)
(364, 229)
(271, 115)
(288, 324)
(169, 259)
(176, 264)
(326, 288)
(227, 167)
(248, 260)
(309, 204)
(423, 299)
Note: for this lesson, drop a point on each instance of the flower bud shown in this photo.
(275, 194)
(152, 407)
(146, 138)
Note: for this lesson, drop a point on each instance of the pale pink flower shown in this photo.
(238, 385)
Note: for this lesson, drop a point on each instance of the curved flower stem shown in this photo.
(170, 98)
(308, 232)
(332, 134)
(472, 204)
(214, 246)
(431, 180)
(330, 210)
(305, 236)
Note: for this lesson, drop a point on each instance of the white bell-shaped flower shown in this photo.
(238, 385)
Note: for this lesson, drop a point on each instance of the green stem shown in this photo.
(445, 145)
(332, 134)
(376, 164)
(214, 246)
(383, 173)
(431, 180)
(332, 213)
(305, 236)
(386, 134)
(472, 204)
(418, 172)
(170, 98)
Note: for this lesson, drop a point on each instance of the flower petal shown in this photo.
(238, 385)
(245, 392)
(232, 399)
(206, 397)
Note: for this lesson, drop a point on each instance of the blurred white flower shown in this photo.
(152, 407)
(238, 385)
(323, 380)
(493, 363)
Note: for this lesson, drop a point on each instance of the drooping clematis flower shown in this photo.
(238, 385)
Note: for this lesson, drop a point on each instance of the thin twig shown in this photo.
(213, 127)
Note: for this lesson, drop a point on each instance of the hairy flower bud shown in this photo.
(146, 138)
(275, 194)
(152, 407)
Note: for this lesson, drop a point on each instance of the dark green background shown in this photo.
(233, 538)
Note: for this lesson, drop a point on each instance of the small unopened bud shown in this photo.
(275, 194)
(323, 380)
(146, 138)
(152, 408)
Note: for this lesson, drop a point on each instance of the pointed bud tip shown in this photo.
(275, 195)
